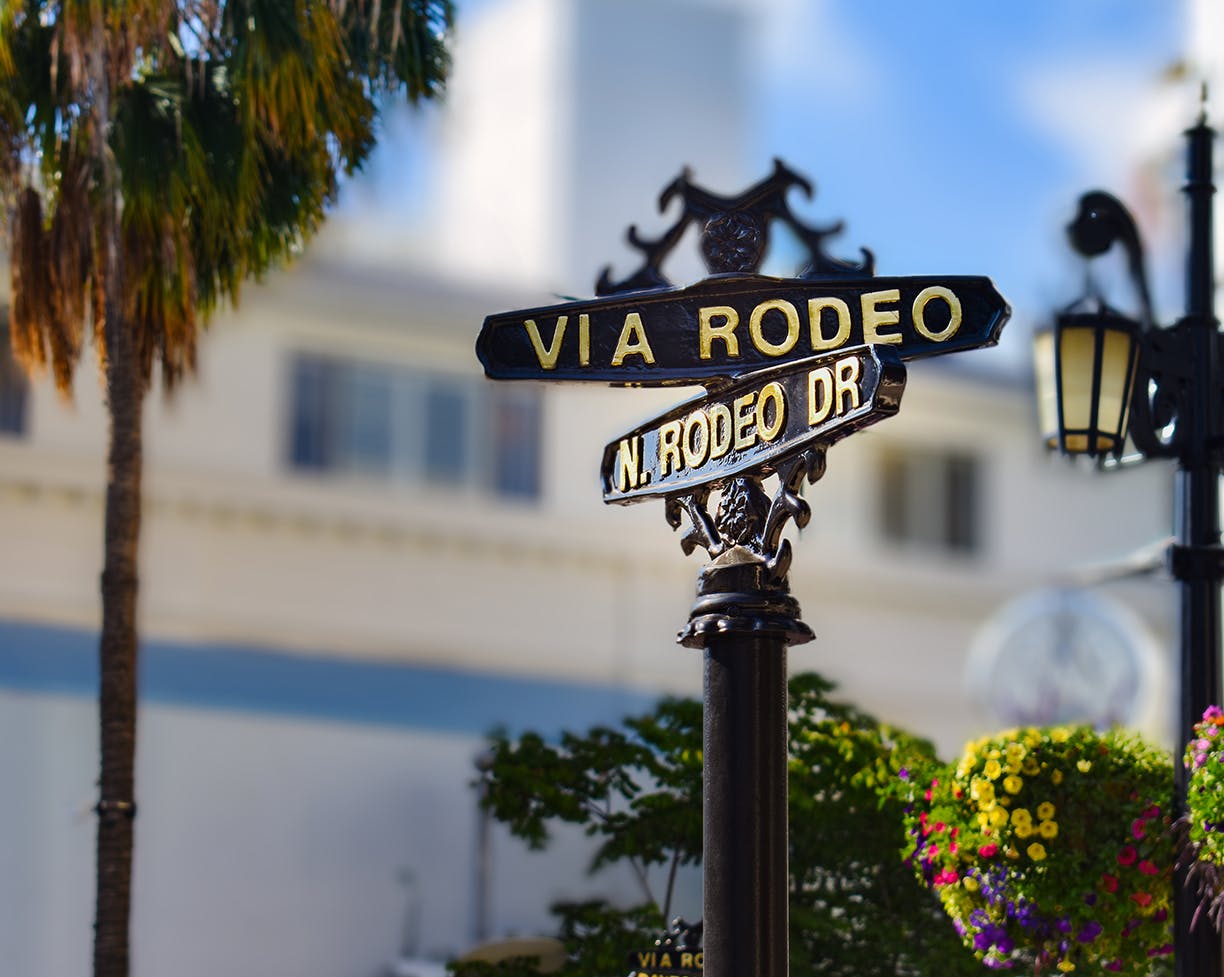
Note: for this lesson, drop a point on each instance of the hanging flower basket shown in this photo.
(1051, 850)
(1201, 832)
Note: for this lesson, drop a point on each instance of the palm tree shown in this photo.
(153, 156)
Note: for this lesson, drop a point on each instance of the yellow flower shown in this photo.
(983, 792)
(1066, 966)
(971, 884)
(1021, 816)
(993, 769)
(1045, 810)
(1036, 851)
(1032, 737)
(1030, 766)
(997, 817)
(1056, 776)
(1084, 765)
(984, 817)
(1023, 829)
(1012, 854)
(1048, 829)
(1013, 784)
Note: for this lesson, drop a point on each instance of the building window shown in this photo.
(13, 389)
(931, 498)
(409, 425)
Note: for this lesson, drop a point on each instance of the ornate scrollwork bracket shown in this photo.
(744, 586)
(734, 233)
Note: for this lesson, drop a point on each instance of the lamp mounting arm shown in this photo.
(1101, 221)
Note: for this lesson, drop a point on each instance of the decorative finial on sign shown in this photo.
(734, 233)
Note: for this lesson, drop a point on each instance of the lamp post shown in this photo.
(1104, 377)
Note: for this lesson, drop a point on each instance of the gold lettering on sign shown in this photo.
(744, 419)
(792, 327)
(771, 394)
(820, 394)
(875, 317)
(547, 355)
(816, 323)
(633, 341)
(708, 332)
(628, 464)
(669, 448)
(645, 959)
(696, 449)
(720, 430)
(954, 313)
(584, 339)
(847, 373)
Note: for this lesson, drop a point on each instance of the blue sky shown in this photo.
(955, 137)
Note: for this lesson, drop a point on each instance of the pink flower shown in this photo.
(1109, 883)
(1138, 830)
(940, 827)
(1147, 868)
(1127, 856)
(1152, 812)
(1141, 898)
(989, 850)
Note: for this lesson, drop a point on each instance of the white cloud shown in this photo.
(802, 45)
(1108, 119)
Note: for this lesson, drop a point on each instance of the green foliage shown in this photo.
(855, 908)
(1201, 834)
(1050, 848)
(217, 130)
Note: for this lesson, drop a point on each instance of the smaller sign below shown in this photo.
(754, 423)
(665, 961)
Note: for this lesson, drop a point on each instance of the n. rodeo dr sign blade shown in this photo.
(752, 424)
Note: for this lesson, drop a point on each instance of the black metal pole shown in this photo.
(745, 624)
(1196, 560)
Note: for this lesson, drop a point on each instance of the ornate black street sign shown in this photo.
(790, 365)
(753, 423)
(730, 325)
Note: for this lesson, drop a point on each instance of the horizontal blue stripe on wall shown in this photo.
(42, 659)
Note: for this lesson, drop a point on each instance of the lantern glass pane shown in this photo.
(1047, 386)
(1117, 352)
(1076, 349)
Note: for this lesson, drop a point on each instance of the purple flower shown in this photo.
(903, 773)
(1090, 931)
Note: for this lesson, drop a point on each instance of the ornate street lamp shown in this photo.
(1106, 381)
(1086, 380)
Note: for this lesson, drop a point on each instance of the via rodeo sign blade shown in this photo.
(753, 423)
(729, 325)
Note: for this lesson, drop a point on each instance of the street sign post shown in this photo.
(754, 423)
(790, 366)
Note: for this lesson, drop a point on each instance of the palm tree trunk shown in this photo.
(117, 651)
(118, 659)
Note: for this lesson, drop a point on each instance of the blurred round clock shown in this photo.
(1064, 656)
